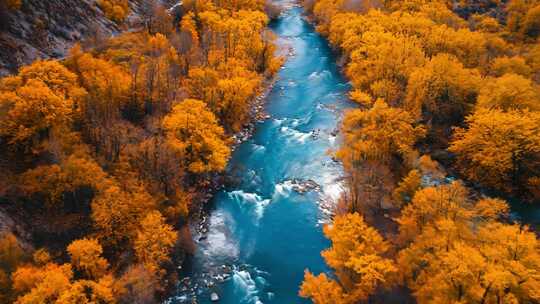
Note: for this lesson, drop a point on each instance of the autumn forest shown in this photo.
(251, 151)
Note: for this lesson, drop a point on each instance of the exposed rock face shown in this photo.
(48, 28)
(10, 225)
(492, 8)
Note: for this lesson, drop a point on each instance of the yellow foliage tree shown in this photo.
(491, 209)
(42, 97)
(497, 264)
(408, 187)
(53, 181)
(236, 94)
(432, 204)
(42, 285)
(506, 65)
(386, 61)
(106, 83)
(53, 74)
(41, 257)
(442, 90)
(31, 112)
(116, 10)
(450, 257)
(468, 46)
(321, 289)
(89, 292)
(379, 133)
(509, 92)
(531, 23)
(373, 140)
(202, 83)
(499, 149)
(193, 131)
(52, 283)
(116, 214)
(154, 242)
(86, 257)
(357, 256)
(533, 59)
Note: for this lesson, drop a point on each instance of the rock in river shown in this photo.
(214, 297)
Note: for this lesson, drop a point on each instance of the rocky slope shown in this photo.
(48, 28)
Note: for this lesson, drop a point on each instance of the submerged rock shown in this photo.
(315, 134)
(303, 186)
(214, 297)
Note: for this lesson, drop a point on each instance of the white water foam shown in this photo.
(332, 188)
(252, 201)
(319, 75)
(246, 287)
(295, 122)
(283, 189)
(295, 135)
(218, 240)
(258, 148)
(332, 139)
(333, 191)
(278, 121)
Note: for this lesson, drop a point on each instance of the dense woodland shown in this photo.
(463, 89)
(106, 153)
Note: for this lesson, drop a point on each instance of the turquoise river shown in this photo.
(262, 233)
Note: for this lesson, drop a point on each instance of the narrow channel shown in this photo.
(267, 229)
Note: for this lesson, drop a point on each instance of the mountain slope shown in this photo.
(47, 29)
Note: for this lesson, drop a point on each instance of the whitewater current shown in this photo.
(266, 229)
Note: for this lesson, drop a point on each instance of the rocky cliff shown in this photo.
(48, 28)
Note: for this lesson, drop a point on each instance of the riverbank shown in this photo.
(198, 219)
(257, 114)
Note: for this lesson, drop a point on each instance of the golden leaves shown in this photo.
(378, 134)
(442, 89)
(498, 147)
(116, 10)
(321, 289)
(193, 131)
(154, 241)
(357, 257)
(41, 98)
(509, 92)
(116, 213)
(86, 256)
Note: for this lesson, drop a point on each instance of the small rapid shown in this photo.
(266, 229)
